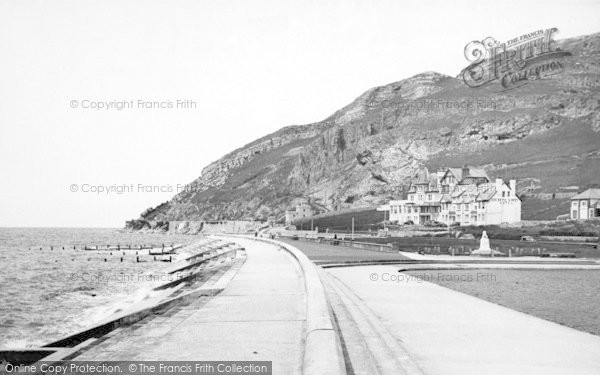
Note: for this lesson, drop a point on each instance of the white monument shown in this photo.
(484, 247)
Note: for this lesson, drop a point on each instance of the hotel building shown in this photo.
(465, 196)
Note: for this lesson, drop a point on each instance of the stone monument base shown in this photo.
(485, 252)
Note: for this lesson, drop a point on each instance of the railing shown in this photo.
(386, 248)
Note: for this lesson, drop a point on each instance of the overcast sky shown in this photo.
(251, 67)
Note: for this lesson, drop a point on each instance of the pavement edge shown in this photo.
(323, 351)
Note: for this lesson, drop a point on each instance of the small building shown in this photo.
(586, 205)
(301, 211)
(290, 216)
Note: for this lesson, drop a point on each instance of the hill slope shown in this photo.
(545, 133)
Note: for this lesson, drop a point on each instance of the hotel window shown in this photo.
(428, 197)
(584, 203)
(574, 204)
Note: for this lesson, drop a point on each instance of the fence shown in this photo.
(512, 251)
(386, 248)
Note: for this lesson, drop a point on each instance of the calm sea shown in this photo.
(47, 294)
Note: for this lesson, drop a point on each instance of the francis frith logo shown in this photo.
(513, 63)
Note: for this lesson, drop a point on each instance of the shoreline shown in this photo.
(52, 293)
(193, 264)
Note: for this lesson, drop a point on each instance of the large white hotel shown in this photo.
(465, 196)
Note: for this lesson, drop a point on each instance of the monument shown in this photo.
(484, 247)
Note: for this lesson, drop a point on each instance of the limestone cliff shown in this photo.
(545, 133)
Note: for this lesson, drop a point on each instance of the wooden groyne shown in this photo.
(118, 247)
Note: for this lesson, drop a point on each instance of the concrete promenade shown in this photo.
(446, 332)
(261, 315)
(270, 303)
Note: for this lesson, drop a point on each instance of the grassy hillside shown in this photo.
(563, 156)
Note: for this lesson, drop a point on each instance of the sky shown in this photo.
(197, 79)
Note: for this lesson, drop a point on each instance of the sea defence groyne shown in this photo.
(259, 299)
(203, 272)
(256, 300)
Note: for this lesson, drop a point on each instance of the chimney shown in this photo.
(499, 183)
(465, 171)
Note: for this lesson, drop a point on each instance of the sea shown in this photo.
(49, 293)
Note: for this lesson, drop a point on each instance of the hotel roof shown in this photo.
(486, 195)
(471, 172)
(422, 177)
(446, 198)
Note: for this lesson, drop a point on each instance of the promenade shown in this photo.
(266, 301)
(260, 316)
(446, 332)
